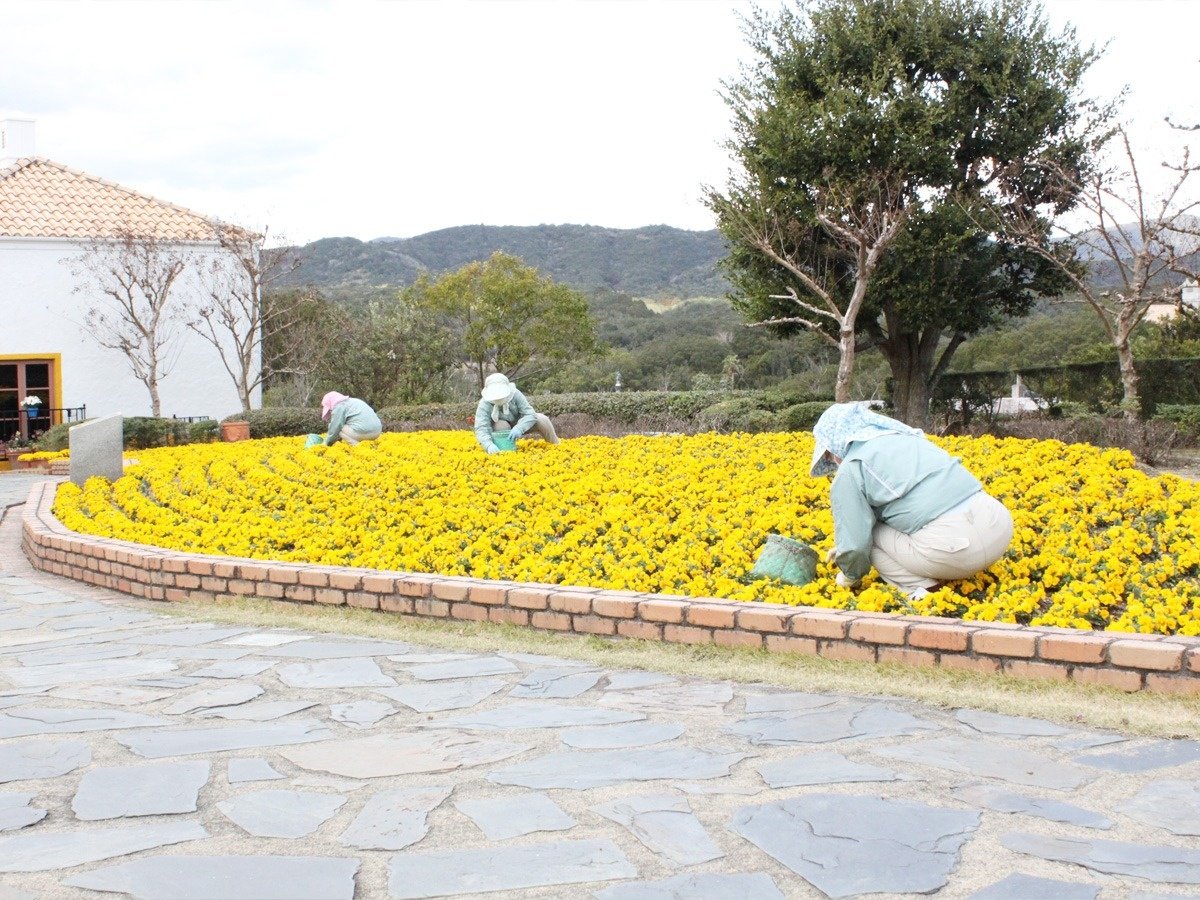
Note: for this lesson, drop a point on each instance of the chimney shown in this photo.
(16, 140)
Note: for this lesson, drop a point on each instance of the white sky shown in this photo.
(397, 117)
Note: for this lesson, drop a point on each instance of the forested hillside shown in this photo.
(657, 261)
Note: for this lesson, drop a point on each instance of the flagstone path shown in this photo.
(147, 756)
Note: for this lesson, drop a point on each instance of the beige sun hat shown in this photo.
(497, 388)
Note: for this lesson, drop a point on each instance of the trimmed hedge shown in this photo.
(280, 421)
(140, 433)
(1096, 386)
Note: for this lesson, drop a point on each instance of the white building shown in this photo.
(49, 216)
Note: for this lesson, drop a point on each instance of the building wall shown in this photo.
(42, 310)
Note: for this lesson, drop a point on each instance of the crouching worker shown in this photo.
(503, 408)
(350, 419)
(902, 504)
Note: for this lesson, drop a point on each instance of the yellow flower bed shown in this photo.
(44, 455)
(1098, 544)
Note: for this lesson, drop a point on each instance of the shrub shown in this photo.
(55, 438)
(802, 416)
(143, 432)
(204, 432)
(739, 414)
(280, 421)
(1185, 415)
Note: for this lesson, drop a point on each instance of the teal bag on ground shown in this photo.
(504, 441)
(789, 561)
(312, 440)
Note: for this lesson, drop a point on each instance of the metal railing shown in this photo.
(28, 427)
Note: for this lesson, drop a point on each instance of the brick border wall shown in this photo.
(1127, 662)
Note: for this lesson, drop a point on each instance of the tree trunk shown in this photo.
(155, 403)
(911, 357)
(841, 390)
(1130, 402)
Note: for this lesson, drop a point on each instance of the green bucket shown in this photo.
(789, 561)
(312, 440)
(503, 440)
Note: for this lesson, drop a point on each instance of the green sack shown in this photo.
(504, 441)
(786, 560)
(312, 440)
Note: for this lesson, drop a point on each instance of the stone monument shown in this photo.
(96, 449)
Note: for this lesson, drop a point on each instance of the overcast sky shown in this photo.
(398, 117)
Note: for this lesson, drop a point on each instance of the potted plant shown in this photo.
(31, 404)
(16, 446)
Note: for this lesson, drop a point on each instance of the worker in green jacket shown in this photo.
(902, 504)
(350, 419)
(503, 408)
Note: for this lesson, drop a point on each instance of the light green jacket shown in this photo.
(518, 410)
(358, 415)
(902, 480)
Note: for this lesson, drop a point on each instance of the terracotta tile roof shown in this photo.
(42, 199)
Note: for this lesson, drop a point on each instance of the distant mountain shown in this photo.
(655, 262)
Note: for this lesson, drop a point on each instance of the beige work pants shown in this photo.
(544, 427)
(352, 437)
(957, 544)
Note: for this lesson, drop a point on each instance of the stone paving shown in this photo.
(148, 756)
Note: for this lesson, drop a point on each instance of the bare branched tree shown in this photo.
(138, 316)
(1121, 258)
(861, 220)
(234, 317)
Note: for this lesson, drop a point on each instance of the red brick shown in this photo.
(529, 598)
(551, 621)
(216, 585)
(300, 593)
(254, 572)
(759, 619)
(735, 638)
(427, 606)
(993, 642)
(878, 631)
(345, 581)
(239, 587)
(174, 594)
(1082, 648)
(329, 596)
(412, 586)
(846, 650)
(783, 643)
(269, 589)
(686, 634)
(655, 609)
(508, 616)
(281, 575)
(314, 577)
(820, 625)
(194, 566)
(571, 602)
(955, 638)
(1193, 661)
(633, 628)
(615, 607)
(1121, 679)
(906, 656)
(468, 612)
(1158, 656)
(220, 569)
(712, 615)
(1172, 684)
(593, 625)
(379, 584)
(1019, 668)
(183, 581)
(394, 604)
(450, 590)
(362, 599)
(488, 594)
